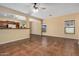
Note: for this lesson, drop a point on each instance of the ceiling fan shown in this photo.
(37, 6)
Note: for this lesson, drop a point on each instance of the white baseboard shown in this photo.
(62, 37)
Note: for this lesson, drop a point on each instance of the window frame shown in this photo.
(69, 27)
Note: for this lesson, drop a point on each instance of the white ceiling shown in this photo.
(54, 9)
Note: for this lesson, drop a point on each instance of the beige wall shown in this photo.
(9, 35)
(27, 22)
(55, 26)
(35, 26)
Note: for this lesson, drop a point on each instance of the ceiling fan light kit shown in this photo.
(35, 10)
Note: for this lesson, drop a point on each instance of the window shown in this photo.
(70, 27)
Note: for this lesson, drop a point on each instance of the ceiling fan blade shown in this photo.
(42, 7)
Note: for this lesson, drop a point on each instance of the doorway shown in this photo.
(35, 29)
